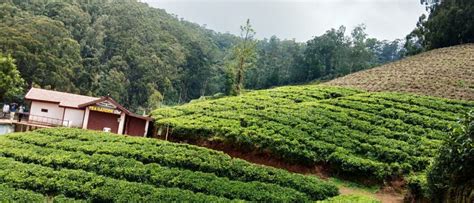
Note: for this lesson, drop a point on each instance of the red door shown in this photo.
(135, 126)
(101, 120)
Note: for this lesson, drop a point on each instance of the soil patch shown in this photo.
(446, 72)
(383, 196)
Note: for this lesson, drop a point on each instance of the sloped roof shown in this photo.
(117, 105)
(64, 99)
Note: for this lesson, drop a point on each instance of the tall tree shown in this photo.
(244, 55)
(360, 54)
(11, 83)
(450, 22)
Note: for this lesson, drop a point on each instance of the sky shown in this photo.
(299, 19)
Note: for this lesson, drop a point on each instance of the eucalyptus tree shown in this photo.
(243, 55)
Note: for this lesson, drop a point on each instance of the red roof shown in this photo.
(64, 99)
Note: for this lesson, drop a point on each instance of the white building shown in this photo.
(57, 105)
(65, 109)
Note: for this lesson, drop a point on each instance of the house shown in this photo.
(65, 109)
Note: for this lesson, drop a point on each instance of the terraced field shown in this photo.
(446, 72)
(65, 165)
(373, 135)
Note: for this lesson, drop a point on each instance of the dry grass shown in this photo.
(446, 72)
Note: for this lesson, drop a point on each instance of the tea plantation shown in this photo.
(374, 135)
(64, 165)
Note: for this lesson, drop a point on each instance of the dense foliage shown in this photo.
(333, 54)
(375, 135)
(11, 83)
(450, 22)
(96, 166)
(451, 176)
(136, 53)
(10, 194)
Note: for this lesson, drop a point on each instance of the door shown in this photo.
(101, 120)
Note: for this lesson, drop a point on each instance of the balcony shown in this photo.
(32, 120)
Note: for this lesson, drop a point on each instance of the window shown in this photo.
(44, 110)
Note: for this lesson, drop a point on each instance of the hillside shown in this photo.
(143, 56)
(123, 48)
(73, 164)
(378, 136)
(446, 72)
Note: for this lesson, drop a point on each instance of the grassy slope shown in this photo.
(446, 72)
(377, 135)
(99, 166)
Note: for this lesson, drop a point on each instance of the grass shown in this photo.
(350, 199)
(355, 186)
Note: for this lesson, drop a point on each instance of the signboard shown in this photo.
(105, 110)
(106, 104)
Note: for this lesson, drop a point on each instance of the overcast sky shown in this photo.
(299, 19)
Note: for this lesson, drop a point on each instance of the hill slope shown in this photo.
(96, 166)
(123, 48)
(446, 72)
(372, 135)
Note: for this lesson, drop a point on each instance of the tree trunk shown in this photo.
(240, 76)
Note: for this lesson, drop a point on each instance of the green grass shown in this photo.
(350, 199)
(353, 185)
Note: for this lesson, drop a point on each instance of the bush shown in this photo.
(373, 135)
(451, 176)
(96, 166)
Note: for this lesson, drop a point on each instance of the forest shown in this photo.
(144, 57)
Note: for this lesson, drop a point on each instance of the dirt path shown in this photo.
(385, 197)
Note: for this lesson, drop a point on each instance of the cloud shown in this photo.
(299, 19)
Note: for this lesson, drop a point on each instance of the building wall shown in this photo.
(74, 116)
(54, 111)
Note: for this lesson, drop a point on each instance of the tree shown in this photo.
(155, 100)
(114, 84)
(244, 55)
(386, 51)
(11, 83)
(327, 56)
(361, 56)
(45, 53)
(450, 22)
